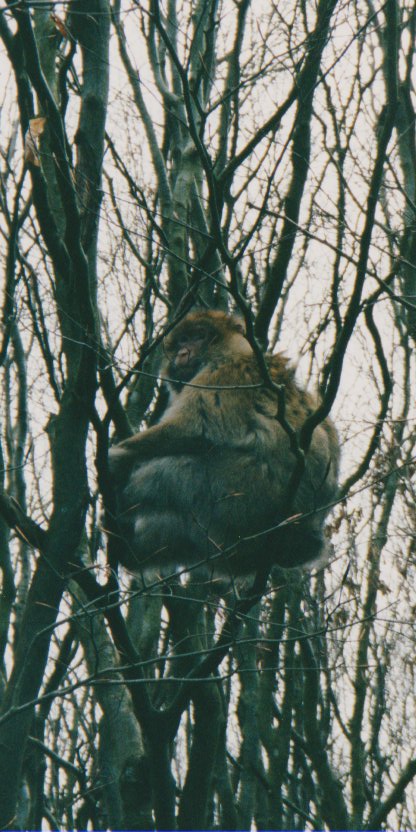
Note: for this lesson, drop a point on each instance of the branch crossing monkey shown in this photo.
(208, 484)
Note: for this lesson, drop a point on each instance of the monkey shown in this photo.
(208, 484)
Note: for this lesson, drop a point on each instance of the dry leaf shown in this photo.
(60, 25)
(35, 129)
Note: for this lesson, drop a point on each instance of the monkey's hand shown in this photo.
(120, 461)
(117, 455)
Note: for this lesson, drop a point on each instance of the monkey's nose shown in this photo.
(183, 356)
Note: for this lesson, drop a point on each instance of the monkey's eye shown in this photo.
(195, 341)
(195, 336)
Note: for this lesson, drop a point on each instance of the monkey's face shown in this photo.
(188, 351)
(202, 338)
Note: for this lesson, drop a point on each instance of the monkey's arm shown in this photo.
(167, 439)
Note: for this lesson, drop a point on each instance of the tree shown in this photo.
(242, 156)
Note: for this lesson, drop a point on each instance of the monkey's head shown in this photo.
(201, 338)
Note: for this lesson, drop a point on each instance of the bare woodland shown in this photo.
(252, 157)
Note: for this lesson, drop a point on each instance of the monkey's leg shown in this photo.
(299, 544)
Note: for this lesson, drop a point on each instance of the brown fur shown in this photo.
(216, 469)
